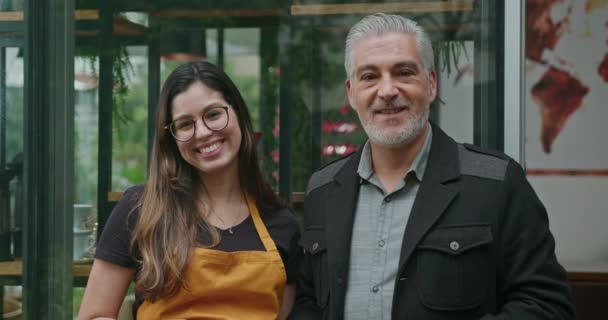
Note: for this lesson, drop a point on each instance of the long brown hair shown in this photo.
(169, 221)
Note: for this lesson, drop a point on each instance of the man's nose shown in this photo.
(387, 90)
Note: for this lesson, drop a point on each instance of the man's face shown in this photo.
(389, 88)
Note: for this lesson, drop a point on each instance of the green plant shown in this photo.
(449, 53)
(122, 71)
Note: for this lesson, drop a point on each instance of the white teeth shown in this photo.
(211, 148)
(391, 111)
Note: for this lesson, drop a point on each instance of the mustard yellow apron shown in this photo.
(227, 285)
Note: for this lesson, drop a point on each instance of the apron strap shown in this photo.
(260, 227)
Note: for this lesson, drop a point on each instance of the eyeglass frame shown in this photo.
(202, 117)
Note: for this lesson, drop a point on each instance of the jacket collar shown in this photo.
(434, 195)
(431, 201)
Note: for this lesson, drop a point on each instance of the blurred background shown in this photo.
(79, 82)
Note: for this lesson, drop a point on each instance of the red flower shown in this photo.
(274, 154)
(338, 127)
(338, 149)
(345, 109)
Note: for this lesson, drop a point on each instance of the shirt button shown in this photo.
(381, 243)
(454, 245)
(387, 199)
(375, 289)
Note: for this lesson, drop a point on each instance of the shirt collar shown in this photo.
(418, 166)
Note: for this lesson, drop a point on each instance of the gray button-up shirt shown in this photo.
(378, 230)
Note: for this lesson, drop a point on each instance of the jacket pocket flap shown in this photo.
(457, 239)
(313, 241)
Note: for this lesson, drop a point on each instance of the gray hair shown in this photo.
(380, 23)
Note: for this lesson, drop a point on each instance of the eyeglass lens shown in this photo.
(214, 119)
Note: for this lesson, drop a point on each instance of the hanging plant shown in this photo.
(122, 70)
(449, 53)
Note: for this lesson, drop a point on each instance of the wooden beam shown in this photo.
(15, 268)
(368, 8)
(87, 14)
(576, 272)
(78, 15)
(114, 196)
(296, 197)
(215, 13)
(587, 271)
(11, 16)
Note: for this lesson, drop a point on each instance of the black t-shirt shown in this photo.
(113, 246)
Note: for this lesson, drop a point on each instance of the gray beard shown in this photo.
(406, 135)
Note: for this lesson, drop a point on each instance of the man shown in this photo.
(415, 225)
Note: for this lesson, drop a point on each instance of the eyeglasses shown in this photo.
(215, 119)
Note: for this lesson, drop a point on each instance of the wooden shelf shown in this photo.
(78, 15)
(367, 8)
(174, 14)
(587, 271)
(15, 268)
(11, 16)
(296, 197)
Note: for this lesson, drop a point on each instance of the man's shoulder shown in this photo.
(481, 162)
(326, 173)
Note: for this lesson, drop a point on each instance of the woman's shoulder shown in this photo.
(126, 208)
(130, 197)
(133, 193)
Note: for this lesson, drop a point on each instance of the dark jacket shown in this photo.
(477, 243)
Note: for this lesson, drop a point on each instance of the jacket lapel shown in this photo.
(340, 203)
(433, 196)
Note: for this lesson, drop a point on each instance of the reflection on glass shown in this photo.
(11, 165)
(130, 119)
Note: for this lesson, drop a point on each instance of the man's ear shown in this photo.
(348, 84)
(432, 85)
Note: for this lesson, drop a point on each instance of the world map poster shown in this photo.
(566, 87)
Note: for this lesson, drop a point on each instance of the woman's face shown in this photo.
(209, 151)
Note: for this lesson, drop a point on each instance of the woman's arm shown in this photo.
(105, 292)
(289, 295)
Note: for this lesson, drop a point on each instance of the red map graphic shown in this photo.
(559, 93)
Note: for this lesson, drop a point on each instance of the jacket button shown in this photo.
(375, 289)
(315, 246)
(454, 245)
(340, 281)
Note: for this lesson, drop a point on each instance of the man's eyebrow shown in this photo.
(407, 64)
(366, 67)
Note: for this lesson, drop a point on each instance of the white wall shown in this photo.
(456, 116)
(578, 215)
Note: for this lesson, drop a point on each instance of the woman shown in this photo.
(206, 236)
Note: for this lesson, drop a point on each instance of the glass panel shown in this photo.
(467, 58)
(11, 155)
(283, 61)
(129, 117)
(457, 90)
(244, 39)
(86, 139)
